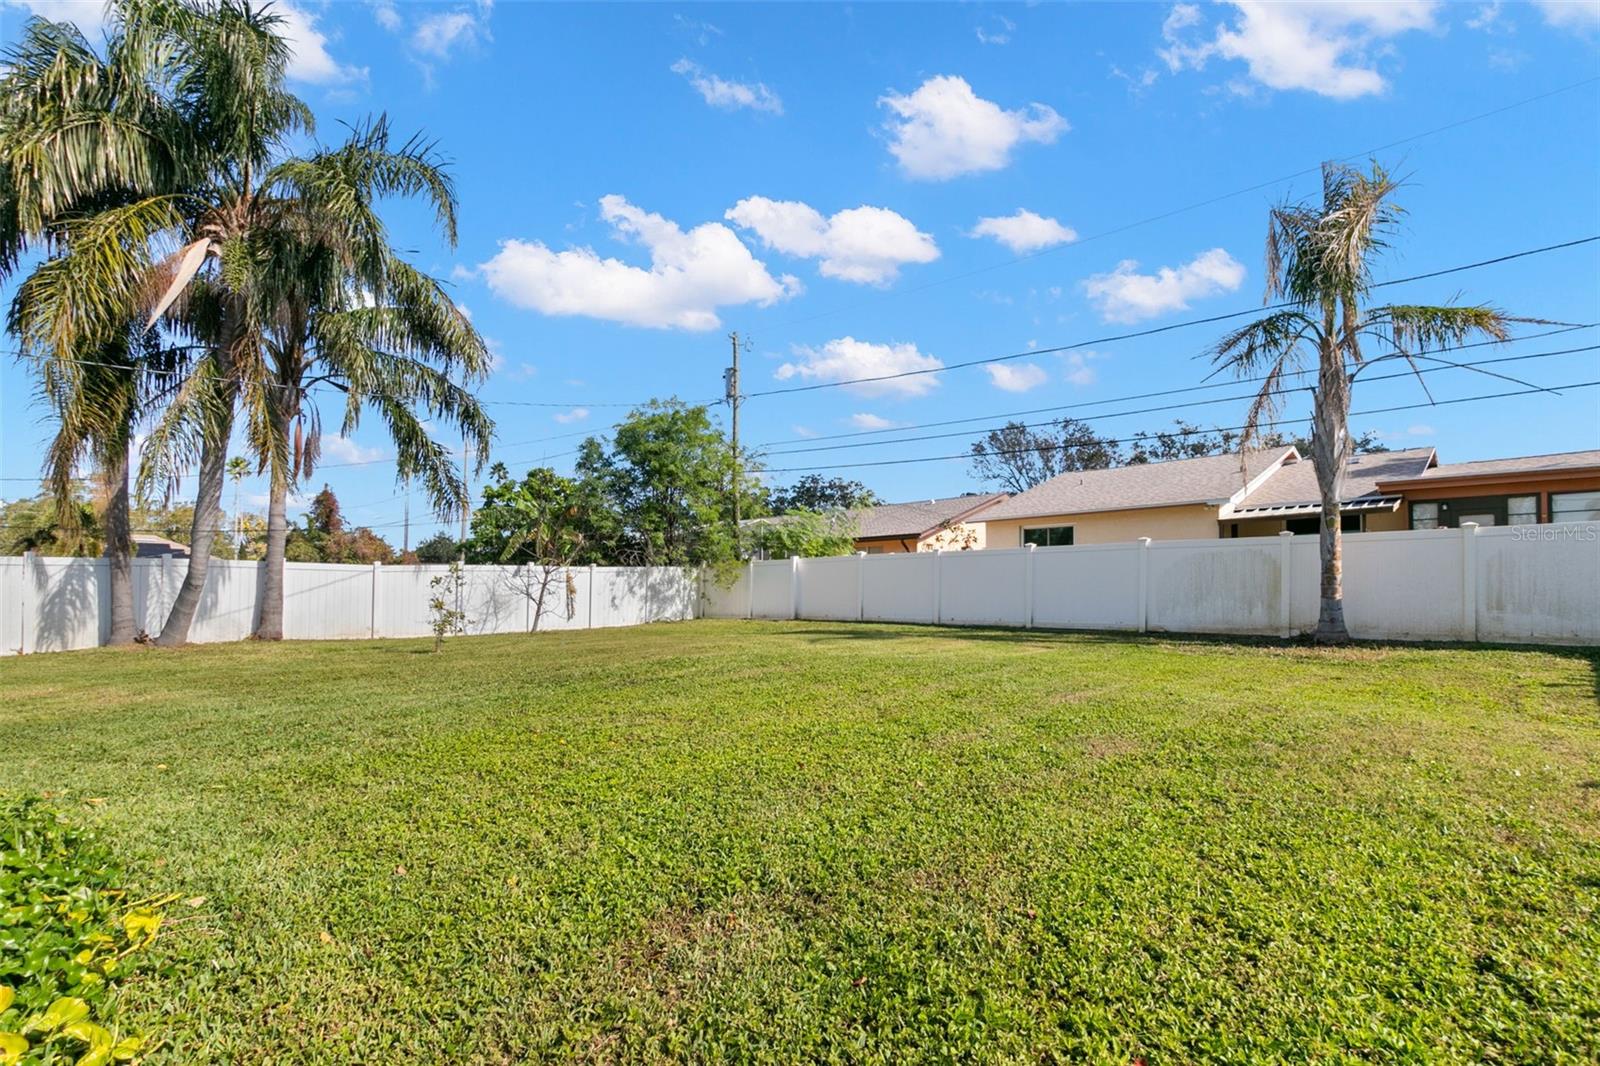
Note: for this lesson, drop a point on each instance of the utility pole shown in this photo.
(730, 380)
(466, 506)
(405, 548)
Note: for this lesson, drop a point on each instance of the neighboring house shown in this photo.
(1276, 490)
(150, 546)
(955, 523)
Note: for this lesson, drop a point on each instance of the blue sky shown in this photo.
(874, 188)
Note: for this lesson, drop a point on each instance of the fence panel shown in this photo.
(1539, 583)
(773, 595)
(1221, 586)
(830, 589)
(1397, 586)
(983, 587)
(1095, 586)
(898, 587)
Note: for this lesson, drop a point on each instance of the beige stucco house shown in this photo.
(1276, 490)
(954, 523)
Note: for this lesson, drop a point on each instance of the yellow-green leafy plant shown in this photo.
(68, 930)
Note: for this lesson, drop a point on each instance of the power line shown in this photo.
(1158, 393)
(1125, 227)
(1135, 334)
(1189, 403)
(1275, 423)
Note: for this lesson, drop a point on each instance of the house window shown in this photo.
(1522, 511)
(1048, 536)
(1575, 507)
(1484, 510)
(1425, 515)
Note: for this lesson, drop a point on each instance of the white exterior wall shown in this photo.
(53, 604)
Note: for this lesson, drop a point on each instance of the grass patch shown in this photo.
(786, 841)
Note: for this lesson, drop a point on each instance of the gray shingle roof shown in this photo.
(921, 516)
(1212, 479)
(1295, 483)
(1522, 464)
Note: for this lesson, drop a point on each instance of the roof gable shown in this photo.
(1213, 479)
(921, 517)
(1296, 483)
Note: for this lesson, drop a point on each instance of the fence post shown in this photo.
(749, 589)
(938, 586)
(1469, 580)
(1285, 585)
(588, 623)
(1144, 584)
(373, 630)
(794, 587)
(1027, 588)
(861, 586)
(30, 559)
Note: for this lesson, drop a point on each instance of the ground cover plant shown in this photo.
(738, 841)
(70, 932)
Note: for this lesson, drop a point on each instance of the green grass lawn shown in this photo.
(796, 841)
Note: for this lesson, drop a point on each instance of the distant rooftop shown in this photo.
(921, 517)
(1210, 479)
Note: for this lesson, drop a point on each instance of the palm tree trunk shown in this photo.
(119, 543)
(1330, 444)
(207, 514)
(270, 626)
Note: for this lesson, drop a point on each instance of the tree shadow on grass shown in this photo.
(892, 631)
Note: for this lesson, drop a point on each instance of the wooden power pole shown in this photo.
(730, 379)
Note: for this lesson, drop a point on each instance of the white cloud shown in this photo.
(868, 420)
(1016, 377)
(441, 33)
(1079, 372)
(944, 129)
(867, 245)
(386, 15)
(998, 33)
(690, 274)
(802, 431)
(1124, 295)
(846, 359)
(309, 60)
(1025, 231)
(728, 95)
(343, 450)
(1581, 15)
(88, 15)
(577, 414)
(1326, 46)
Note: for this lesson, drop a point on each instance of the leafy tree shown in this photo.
(439, 548)
(324, 538)
(667, 478)
(802, 534)
(1319, 263)
(543, 524)
(35, 524)
(813, 492)
(1016, 457)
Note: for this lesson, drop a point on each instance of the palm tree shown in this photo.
(1318, 266)
(201, 239)
(353, 315)
(79, 134)
(238, 467)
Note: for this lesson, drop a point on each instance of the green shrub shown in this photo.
(67, 931)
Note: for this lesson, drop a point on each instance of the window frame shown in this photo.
(1072, 536)
(1554, 496)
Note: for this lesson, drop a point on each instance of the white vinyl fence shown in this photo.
(51, 604)
(1518, 584)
